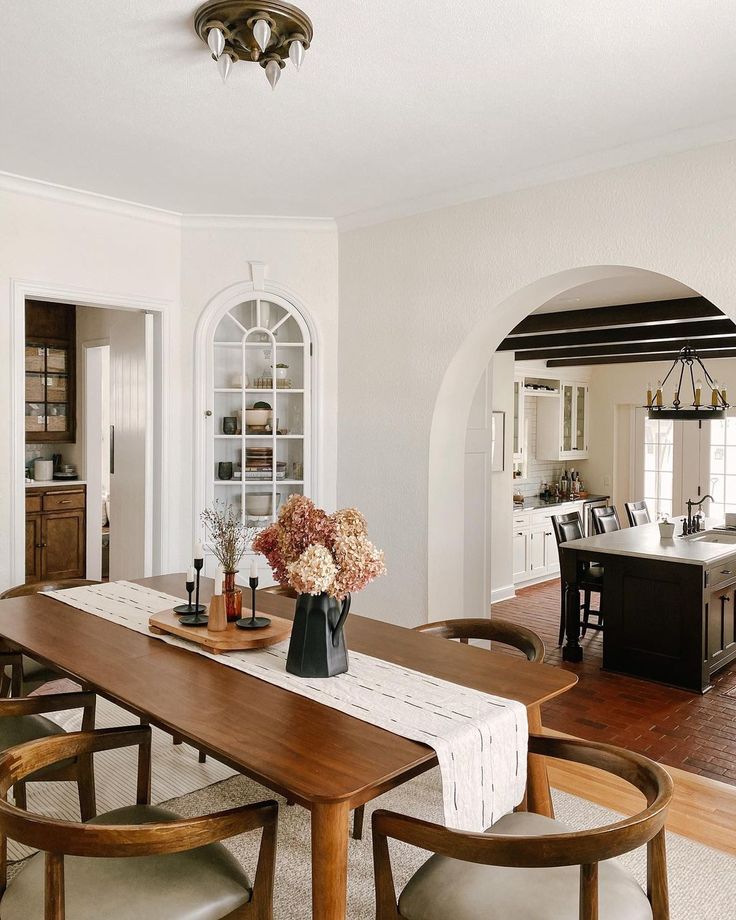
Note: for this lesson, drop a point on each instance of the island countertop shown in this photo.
(644, 542)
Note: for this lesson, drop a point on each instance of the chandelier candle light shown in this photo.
(713, 406)
(267, 33)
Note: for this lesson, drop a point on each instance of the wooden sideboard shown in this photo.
(56, 532)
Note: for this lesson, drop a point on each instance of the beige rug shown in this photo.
(702, 880)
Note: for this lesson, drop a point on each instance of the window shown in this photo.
(723, 466)
(659, 451)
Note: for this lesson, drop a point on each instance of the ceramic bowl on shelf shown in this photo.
(257, 418)
(260, 504)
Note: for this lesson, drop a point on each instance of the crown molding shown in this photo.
(38, 188)
(257, 222)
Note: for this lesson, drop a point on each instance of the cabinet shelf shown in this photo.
(259, 437)
(257, 390)
(259, 482)
(258, 344)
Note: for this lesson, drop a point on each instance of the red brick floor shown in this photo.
(682, 729)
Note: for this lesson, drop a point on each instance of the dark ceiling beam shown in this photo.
(660, 332)
(703, 346)
(632, 314)
(665, 357)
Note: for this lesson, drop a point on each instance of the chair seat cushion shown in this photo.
(203, 884)
(36, 674)
(449, 888)
(19, 729)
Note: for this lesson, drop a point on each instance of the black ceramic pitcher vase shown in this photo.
(317, 646)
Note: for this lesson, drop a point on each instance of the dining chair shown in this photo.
(180, 869)
(283, 590)
(568, 527)
(24, 719)
(530, 865)
(637, 513)
(494, 630)
(34, 673)
(605, 520)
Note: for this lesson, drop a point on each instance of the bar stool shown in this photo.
(569, 527)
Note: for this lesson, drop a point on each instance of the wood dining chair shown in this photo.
(605, 520)
(637, 513)
(34, 673)
(24, 719)
(85, 871)
(528, 864)
(493, 630)
(568, 527)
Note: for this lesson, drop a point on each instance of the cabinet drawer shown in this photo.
(521, 520)
(33, 503)
(63, 501)
(721, 575)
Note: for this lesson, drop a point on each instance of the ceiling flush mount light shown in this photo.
(695, 398)
(265, 32)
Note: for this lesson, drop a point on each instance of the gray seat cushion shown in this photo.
(448, 888)
(203, 884)
(35, 675)
(19, 729)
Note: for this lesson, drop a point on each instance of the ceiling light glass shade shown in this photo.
(262, 33)
(296, 53)
(224, 65)
(216, 41)
(273, 73)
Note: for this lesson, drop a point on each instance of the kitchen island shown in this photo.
(668, 605)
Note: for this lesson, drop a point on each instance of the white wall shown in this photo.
(70, 240)
(425, 300)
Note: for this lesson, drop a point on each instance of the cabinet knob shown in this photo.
(208, 413)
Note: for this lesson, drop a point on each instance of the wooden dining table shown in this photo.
(325, 760)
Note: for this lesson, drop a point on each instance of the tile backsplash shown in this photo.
(539, 471)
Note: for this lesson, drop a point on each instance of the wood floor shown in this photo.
(694, 733)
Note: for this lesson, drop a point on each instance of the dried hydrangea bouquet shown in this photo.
(323, 557)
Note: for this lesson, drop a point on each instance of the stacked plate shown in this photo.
(259, 464)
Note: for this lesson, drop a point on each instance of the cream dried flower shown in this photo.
(314, 571)
(349, 522)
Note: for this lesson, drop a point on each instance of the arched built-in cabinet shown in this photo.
(256, 428)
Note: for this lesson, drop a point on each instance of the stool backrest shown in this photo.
(605, 520)
(637, 513)
(567, 527)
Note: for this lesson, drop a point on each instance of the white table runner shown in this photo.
(481, 740)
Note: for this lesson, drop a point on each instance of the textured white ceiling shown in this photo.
(636, 286)
(399, 105)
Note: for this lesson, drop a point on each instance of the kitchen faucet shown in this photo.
(689, 524)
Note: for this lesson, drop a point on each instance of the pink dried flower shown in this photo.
(301, 524)
(267, 542)
(314, 571)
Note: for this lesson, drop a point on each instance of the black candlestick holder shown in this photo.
(196, 619)
(189, 607)
(253, 622)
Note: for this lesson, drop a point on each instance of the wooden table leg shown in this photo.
(330, 832)
(538, 797)
(569, 574)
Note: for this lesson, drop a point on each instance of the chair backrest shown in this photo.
(567, 527)
(495, 630)
(282, 591)
(637, 513)
(605, 520)
(42, 587)
(584, 848)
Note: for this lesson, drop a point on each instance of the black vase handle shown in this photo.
(341, 622)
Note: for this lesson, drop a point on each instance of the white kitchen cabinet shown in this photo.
(536, 557)
(562, 424)
(537, 563)
(521, 554)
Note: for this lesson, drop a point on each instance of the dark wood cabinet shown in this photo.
(55, 533)
(50, 378)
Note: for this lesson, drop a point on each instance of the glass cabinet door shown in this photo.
(568, 409)
(260, 449)
(581, 393)
(49, 391)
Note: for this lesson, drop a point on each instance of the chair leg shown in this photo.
(86, 788)
(561, 637)
(586, 611)
(202, 757)
(358, 818)
(19, 796)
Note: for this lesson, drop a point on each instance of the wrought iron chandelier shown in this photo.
(267, 33)
(707, 399)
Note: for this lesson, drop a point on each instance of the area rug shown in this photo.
(702, 880)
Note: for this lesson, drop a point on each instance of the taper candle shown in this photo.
(198, 550)
(253, 569)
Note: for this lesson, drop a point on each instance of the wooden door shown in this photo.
(64, 539)
(34, 548)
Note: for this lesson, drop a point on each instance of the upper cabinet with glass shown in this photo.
(259, 445)
(50, 372)
(562, 424)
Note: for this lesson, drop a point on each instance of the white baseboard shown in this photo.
(549, 576)
(502, 594)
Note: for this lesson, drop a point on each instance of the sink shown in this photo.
(712, 536)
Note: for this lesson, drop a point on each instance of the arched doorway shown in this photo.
(446, 523)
